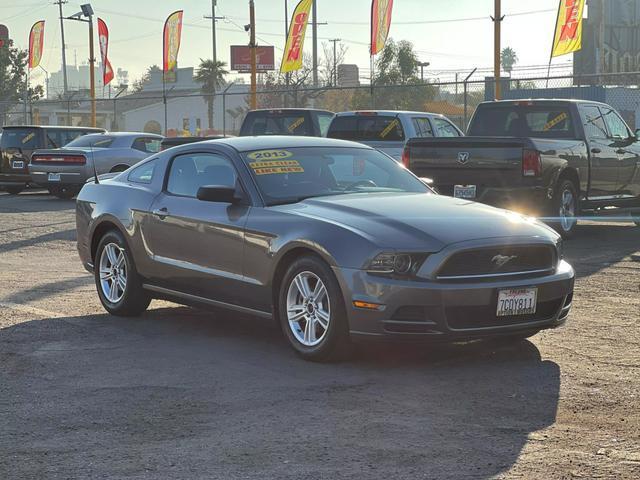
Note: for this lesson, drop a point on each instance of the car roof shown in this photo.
(127, 134)
(291, 110)
(384, 112)
(542, 101)
(268, 142)
(54, 127)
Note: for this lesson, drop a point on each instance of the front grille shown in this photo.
(498, 261)
(460, 318)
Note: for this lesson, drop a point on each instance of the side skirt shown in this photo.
(194, 300)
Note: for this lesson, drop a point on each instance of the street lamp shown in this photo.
(86, 15)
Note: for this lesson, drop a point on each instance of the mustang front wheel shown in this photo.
(312, 312)
(119, 286)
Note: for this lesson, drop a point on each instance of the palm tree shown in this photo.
(211, 75)
(509, 58)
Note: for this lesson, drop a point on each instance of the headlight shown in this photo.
(395, 263)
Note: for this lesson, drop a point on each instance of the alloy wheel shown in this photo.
(113, 272)
(567, 210)
(308, 309)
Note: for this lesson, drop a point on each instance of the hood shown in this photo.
(418, 222)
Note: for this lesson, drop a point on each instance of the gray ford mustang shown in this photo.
(333, 239)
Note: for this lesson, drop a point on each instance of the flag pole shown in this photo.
(553, 43)
(164, 80)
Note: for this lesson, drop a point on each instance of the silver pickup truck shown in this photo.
(388, 130)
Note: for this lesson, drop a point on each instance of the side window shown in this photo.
(144, 173)
(617, 128)
(324, 120)
(189, 172)
(146, 144)
(423, 127)
(444, 129)
(593, 122)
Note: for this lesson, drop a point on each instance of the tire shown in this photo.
(14, 189)
(117, 281)
(565, 207)
(327, 338)
(64, 193)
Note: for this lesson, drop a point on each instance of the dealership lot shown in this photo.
(181, 393)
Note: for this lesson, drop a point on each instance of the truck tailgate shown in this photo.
(481, 161)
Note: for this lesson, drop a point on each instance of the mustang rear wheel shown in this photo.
(311, 310)
(119, 286)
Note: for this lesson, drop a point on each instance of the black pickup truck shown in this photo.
(557, 159)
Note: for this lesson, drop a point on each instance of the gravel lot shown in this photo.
(181, 393)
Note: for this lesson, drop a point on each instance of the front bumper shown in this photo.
(448, 311)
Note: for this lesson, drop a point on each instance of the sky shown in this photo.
(450, 34)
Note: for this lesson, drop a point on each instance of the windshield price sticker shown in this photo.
(552, 123)
(269, 155)
(296, 124)
(276, 167)
(388, 128)
(28, 137)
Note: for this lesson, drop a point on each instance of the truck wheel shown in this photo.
(565, 208)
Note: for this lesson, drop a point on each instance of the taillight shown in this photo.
(59, 159)
(531, 163)
(406, 159)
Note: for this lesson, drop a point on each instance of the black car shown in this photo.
(18, 143)
(305, 122)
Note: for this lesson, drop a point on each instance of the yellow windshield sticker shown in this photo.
(296, 124)
(276, 166)
(552, 123)
(28, 137)
(269, 154)
(388, 128)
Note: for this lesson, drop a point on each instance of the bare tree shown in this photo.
(327, 70)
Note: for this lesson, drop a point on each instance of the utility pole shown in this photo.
(64, 55)
(252, 46)
(287, 77)
(92, 69)
(601, 37)
(335, 61)
(213, 19)
(497, 22)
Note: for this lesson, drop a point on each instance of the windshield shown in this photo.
(293, 174)
(273, 123)
(22, 138)
(95, 141)
(366, 127)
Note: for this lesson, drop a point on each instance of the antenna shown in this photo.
(93, 162)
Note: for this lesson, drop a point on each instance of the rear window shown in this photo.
(523, 121)
(96, 141)
(378, 128)
(285, 123)
(22, 138)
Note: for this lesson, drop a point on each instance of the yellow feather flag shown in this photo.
(568, 33)
(292, 57)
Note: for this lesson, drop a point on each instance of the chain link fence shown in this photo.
(192, 113)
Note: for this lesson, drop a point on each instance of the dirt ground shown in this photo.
(181, 393)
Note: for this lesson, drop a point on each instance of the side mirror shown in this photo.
(636, 135)
(427, 181)
(217, 193)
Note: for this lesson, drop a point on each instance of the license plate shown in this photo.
(464, 191)
(17, 164)
(517, 301)
(53, 177)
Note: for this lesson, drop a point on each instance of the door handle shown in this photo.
(596, 150)
(161, 213)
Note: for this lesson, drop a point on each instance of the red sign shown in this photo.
(241, 58)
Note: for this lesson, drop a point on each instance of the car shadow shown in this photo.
(68, 235)
(183, 393)
(597, 246)
(33, 201)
